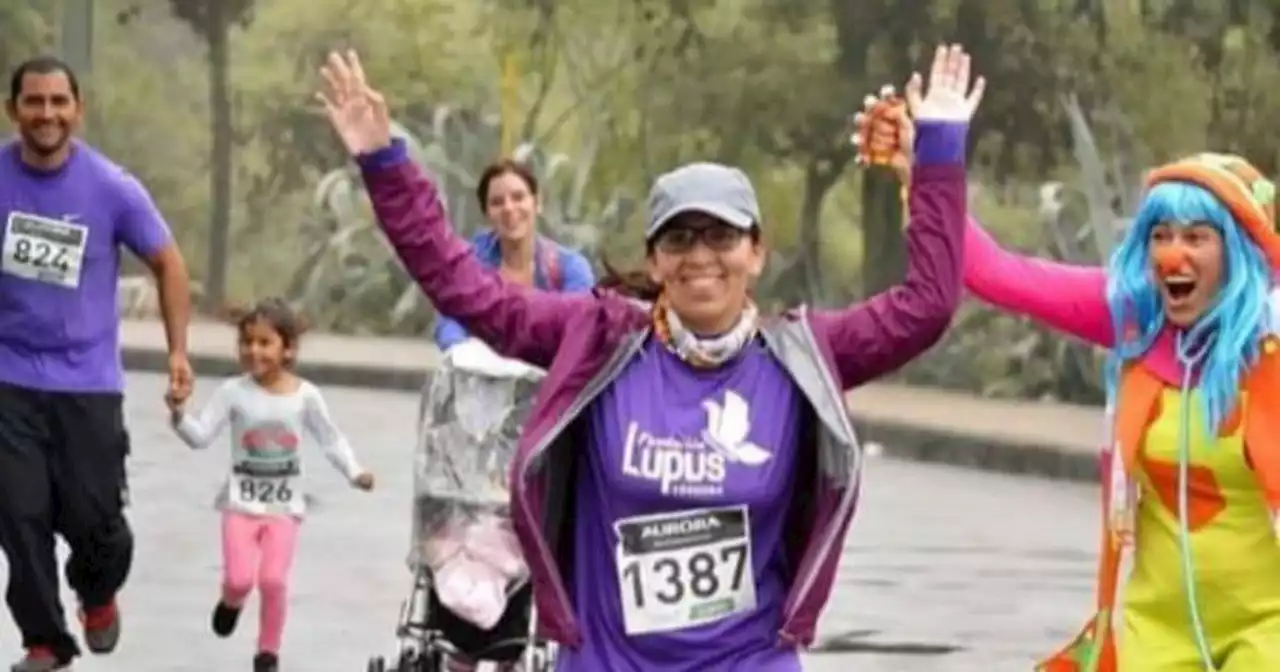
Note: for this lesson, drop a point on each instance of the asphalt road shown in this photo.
(946, 569)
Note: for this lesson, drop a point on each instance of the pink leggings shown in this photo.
(259, 547)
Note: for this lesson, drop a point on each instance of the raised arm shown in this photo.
(881, 334)
(515, 321)
(1071, 299)
(199, 431)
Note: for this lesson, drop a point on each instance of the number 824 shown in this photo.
(41, 254)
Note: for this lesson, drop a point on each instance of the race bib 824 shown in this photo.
(683, 569)
(43, 249)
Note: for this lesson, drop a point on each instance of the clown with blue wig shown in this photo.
(1191, 479)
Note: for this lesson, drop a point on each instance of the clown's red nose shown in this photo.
(1171, 260)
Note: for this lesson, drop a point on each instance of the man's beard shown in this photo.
(45, 149)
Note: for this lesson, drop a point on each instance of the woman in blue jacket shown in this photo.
(508, 194)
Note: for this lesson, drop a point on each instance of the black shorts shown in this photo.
(474, 642)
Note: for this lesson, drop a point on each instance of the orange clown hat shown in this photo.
(1246, 192)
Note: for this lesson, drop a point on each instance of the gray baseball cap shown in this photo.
(711, 188)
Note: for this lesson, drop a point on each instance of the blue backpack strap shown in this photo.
(550, 254)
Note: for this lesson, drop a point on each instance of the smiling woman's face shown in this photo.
(511, 206)
(1187, 261)
(705, 268)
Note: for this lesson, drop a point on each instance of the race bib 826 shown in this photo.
(272, 493)
(683, 569)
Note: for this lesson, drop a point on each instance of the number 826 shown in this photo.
(265, 492)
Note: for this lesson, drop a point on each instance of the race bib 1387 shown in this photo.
(683, 569)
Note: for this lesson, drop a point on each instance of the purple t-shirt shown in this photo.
(59, 265)
(679, 561)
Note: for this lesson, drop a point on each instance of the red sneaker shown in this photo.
(101, 628)
(40, 659)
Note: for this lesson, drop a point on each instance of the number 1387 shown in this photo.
(698, 576)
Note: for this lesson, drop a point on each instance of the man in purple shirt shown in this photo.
(67, 211)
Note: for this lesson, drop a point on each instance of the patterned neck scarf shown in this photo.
(703, 352)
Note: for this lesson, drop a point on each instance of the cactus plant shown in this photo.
(1084, 222)
(1109, 188)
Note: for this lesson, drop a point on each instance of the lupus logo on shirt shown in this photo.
(695, 466)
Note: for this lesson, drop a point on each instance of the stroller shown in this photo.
(471, 600)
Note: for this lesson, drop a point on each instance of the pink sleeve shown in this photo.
(1071, 299)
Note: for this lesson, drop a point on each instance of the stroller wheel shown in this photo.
(541, 663)
(377, 664)
(425, 661)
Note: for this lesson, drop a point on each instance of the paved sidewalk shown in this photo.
(1053, 440)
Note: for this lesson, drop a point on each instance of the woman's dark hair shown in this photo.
(635, 283)
(275, 312)
(498, 169)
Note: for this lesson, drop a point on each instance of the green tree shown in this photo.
(26, 31)
(878, 43)
(213, 21)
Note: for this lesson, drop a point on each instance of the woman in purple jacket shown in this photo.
(683, 485)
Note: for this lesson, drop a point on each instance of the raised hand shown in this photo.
(948, 97)
(357, 112)
(884, 131)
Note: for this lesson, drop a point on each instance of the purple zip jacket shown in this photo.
(584, 340)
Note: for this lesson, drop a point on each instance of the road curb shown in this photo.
(977, 452)
(320, 373)
(899, 440)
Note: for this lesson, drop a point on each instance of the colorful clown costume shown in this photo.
(1191, 480)
(1233, 548)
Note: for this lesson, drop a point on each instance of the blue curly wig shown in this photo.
(1227, 336)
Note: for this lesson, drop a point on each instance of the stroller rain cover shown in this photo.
(471, 412)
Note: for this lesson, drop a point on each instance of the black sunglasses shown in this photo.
(680, 238)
